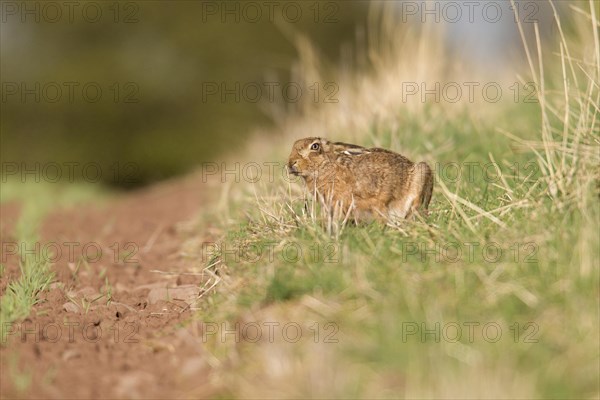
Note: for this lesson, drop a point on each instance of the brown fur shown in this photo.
(369, 182)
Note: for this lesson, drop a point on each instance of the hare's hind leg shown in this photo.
(418, 194)
(427, 185)
(400, 209)
(420, 189)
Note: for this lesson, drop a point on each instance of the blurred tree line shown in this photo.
(136, 87)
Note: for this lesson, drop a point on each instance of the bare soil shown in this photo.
(78, 344)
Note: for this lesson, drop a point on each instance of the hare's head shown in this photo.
(311, 154)
(308, 154)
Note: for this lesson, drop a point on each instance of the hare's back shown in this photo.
(380, 173)
(386, 158)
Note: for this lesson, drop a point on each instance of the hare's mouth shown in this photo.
(293, 169)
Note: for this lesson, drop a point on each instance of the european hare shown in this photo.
(366, 182)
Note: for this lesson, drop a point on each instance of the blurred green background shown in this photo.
(121, 84)
(128, 93)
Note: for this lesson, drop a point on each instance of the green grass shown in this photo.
(22, 294)
(529, 242)
(36, 199)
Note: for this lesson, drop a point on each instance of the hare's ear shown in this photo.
(356, 152)
(349, 149)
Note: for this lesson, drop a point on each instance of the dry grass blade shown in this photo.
(454, 198)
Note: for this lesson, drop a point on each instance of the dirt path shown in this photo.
(77, 344)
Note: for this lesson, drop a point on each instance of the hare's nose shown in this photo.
(292, 167)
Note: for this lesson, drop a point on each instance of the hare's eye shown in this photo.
(314, 146)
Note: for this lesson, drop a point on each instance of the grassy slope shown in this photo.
(381, 294)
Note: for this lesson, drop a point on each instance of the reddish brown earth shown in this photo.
(76, 343)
